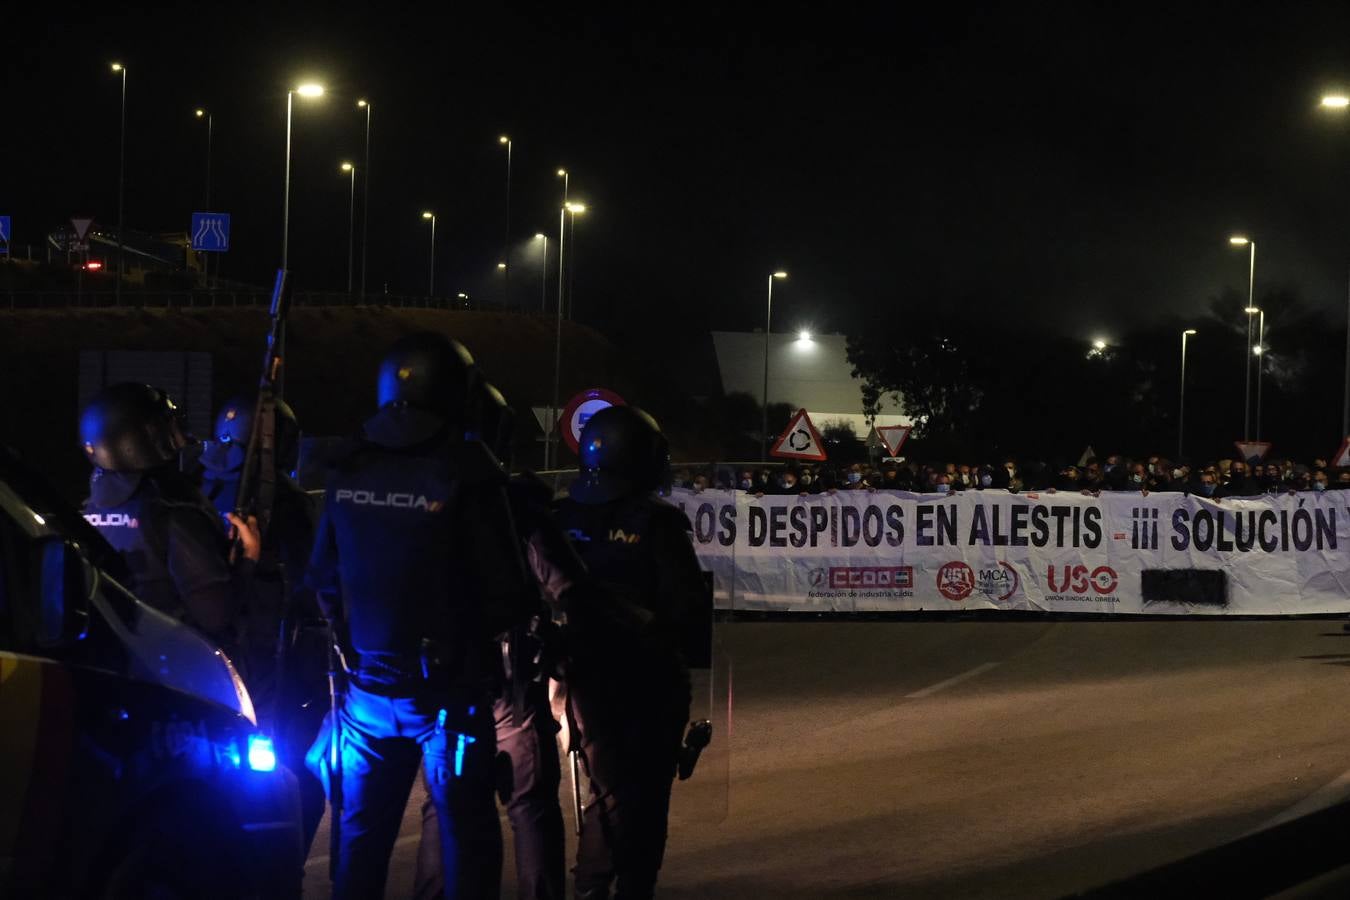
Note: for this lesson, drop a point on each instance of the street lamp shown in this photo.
(543, 273)
(1241, 241)
(1181, 408)
(764, 409)
(1339, 103)
(309, 91)
(121, 179)
(1099, 345)
(1259, 351)
(365, 200)
(505, 141)
(431, 278)
(550, 441)
(203, 114)
(351, 223)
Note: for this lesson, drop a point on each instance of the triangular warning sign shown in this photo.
(1248, 449)
(81, 227)
(1342, 455)
(893, 437)
(1088, 453)
(799, 440)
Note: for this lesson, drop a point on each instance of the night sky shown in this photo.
(1077, 168)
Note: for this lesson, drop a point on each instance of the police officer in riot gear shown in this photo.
(627, 682)
(525, 729)
(283, 638)
(166, 531)
(417, 561)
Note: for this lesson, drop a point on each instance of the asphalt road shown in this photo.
(993, 759)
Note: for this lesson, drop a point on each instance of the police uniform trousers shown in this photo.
(529, 777)
(630, 741)
(386, 729)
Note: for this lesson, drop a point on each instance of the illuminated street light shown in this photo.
(543, 272)
(505, 141)
(351, 224)
(501, 267)
(121, 180)
(551, 440)
(365, 198)
(764, 406)
(804, 336)
(1335, 101)
(308, 91)
(1251, 310)
(1181, 408)
(431, 278)
(1099, 344)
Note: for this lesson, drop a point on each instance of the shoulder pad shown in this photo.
(666, 513)
(475, 464)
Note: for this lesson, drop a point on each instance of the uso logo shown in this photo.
(1078, 579)
(955, 581)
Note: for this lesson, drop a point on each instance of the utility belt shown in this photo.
(437, 664)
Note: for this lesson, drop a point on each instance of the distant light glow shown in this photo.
(93, 265)
(1099, 344)
(804, 336)
(1252, 310)
(262, 756)
(540, 236)
(428, 215)
(576, 208)
(501, 267)
(362, 104)
(310, 90)
(347, 167)
(1335, 101)
(562, 172)
(1189, 331)
(503, 140)
(1257, 349)
(200, 113)
(1238, 240)
(462, 296)
(117, 67)
(37, 518)
(779, 274)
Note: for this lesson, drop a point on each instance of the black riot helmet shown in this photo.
(496, 421)
(131, 428)
(428, 372)
(224, 451)
(623, 454)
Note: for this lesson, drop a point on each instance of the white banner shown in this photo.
(1055, 552)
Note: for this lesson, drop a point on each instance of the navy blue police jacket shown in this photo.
(177, 554)
(416, 544)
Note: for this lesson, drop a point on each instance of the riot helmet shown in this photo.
(225, 450)
(131, 427)
(429, 372)
(623, 454)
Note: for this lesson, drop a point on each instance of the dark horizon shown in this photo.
(1073, 168)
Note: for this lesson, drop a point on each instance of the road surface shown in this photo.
(993, 759)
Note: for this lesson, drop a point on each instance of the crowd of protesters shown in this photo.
(1218, 479)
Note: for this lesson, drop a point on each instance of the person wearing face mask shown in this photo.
(788, 482)
(1238, 483)
(1207, 486)
(1320, 482)
(746, 480)
(941, 484)
(853, 478)
(1181, 476)
(984, 479)
(1136, 480)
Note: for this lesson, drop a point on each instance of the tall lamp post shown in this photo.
(431, 277)
(1340, 103)
(204, 114)
(121, 179)
(543, 273)
(551, 440)
(1181, 408)
(351, 223)
(1259, 351)
(1240, 241)
(505, 141)
(365, 201)
(764, 408)
(309, 91)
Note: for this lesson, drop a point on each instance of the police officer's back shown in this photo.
(627, 683)
(165, 529)
(417, 560)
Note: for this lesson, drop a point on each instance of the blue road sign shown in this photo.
(4, 233)
(210, 231)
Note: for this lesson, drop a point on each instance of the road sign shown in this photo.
(893, 437)
(4, 233)
(81, 226)
(1248, 449)
(579, 410)
(1342, 458)
(799, 440)
(210, 232)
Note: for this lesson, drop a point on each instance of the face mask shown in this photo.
(854, 477)
(1207, 489)
(745, 484)
(1151, 468)
(942, 488)
(986, 480)
(789, 484)
(1319, 485)
(806, 479)
(1137, 478)
(1177, 473)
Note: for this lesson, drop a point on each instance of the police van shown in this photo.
(130, 760)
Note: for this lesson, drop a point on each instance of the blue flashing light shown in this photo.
(262, 757)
